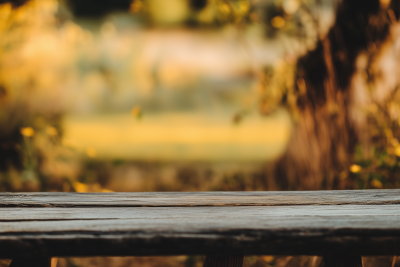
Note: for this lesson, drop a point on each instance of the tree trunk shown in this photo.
(323, 142)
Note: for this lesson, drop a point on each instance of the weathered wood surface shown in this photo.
(343, 197)
(360, 216)
(81, 228)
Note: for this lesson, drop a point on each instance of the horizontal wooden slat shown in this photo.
(206, 213)
(312, 222)
(359, 197)
(286, 230)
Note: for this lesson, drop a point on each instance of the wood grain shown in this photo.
(289, 230)
(240, 223)
(172, 199)
(383, 215)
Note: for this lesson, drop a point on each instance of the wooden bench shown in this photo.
(225, 226)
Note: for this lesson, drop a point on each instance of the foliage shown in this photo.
(330, 92)
(45, 52)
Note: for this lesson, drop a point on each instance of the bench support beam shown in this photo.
(223, 261)
(31, 262)
(342, 261)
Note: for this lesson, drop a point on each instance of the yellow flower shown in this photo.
(355, 168)
(80, 187)
(397, 151)
(27, 131)
(278, 22)
(376, 184)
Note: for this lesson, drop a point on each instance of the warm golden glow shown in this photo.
(180, 137)
(355, 168)
(278, 22)
(27, 131)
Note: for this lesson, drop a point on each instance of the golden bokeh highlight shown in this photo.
(27, 131)
(355, 168)
(278, 22)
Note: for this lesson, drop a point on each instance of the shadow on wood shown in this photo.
(223, 261)
(31, 262)
(342, 261)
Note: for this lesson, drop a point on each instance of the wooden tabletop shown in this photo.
(287, 223)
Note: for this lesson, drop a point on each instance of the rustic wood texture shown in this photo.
(342, 260)
(381, 216)
(69, 226)
(224, 261)
(343, 197)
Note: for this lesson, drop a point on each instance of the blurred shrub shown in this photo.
(43, 54)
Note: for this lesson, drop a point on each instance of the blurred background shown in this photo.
(195, 95)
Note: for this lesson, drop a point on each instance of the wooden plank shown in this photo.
(234, 213)
(357, 197)
(241, 230)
